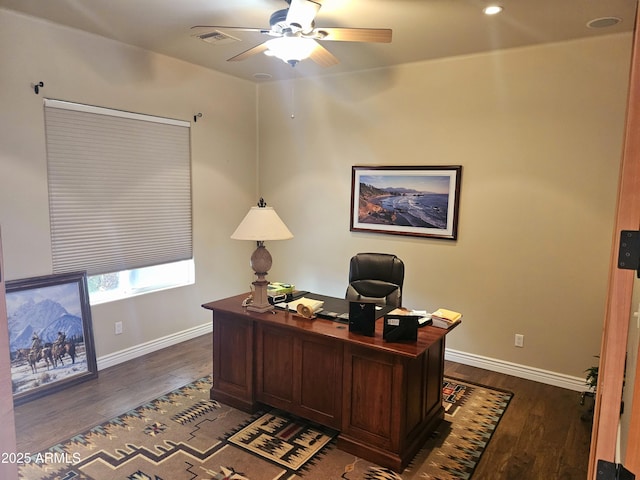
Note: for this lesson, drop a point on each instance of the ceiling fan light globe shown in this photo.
(492, 9)
(290, 50)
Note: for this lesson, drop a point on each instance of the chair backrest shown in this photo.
(376, 277)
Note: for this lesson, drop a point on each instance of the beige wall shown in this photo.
(538, 132)
(84, 68)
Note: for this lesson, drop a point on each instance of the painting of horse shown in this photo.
(60, 350)
(50, 334)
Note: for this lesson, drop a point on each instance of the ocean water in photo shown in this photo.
(418, 210)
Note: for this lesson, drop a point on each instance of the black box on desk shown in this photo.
(362, 318)
(399, 328)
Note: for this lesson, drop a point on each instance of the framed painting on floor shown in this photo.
(50, 334)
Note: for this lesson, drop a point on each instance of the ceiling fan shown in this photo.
(296, 36)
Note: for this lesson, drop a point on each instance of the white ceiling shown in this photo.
(422, 29)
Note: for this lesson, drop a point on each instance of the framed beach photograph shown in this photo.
(418, 201)
(50, 334)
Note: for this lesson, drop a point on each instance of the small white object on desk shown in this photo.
(308, 305)
(443, 318)
(424, 317)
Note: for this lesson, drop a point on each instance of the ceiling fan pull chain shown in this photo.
(293, 100)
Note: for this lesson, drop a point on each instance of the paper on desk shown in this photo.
(424, 317)
(315, 305)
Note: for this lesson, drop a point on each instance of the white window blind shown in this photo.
(119, 188)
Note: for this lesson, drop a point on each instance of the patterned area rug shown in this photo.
(185, 435)
(283, 439)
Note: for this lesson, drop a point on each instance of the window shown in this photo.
(119, 196)
(127, 283)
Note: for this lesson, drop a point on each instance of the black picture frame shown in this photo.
(46, 306)
(420, 201)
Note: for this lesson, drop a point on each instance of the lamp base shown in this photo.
(260, 301)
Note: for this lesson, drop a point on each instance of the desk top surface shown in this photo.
(427, 335)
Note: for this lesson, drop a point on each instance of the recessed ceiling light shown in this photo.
(603, 22)
(492, 9)
(261, 76)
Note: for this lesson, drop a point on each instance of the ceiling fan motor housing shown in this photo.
(280, 25)
(278, 19)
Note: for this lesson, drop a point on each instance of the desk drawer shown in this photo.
(320, 381)
(275, 367)
(301, 374)
(233, 361)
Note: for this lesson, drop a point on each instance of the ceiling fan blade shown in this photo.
(248, 53)
(323, 57)
(302, 12)
(379, 35)
(199, 30)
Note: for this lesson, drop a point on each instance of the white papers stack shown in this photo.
(423, 316)
(444, 318)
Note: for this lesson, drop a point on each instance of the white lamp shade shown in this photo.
(260, 224)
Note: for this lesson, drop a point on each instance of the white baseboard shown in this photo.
(487, 363)
(121, 356)
(522, 371)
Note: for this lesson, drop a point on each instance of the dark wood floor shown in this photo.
(541, 435)
(46, 421)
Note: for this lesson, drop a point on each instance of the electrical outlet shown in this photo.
(118, 328)
(519, 340)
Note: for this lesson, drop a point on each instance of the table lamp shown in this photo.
(260, 224)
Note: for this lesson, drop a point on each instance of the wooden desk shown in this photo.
(384, 398)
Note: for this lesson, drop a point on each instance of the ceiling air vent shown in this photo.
(216, 37)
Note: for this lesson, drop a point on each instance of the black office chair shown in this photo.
(376, 277)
